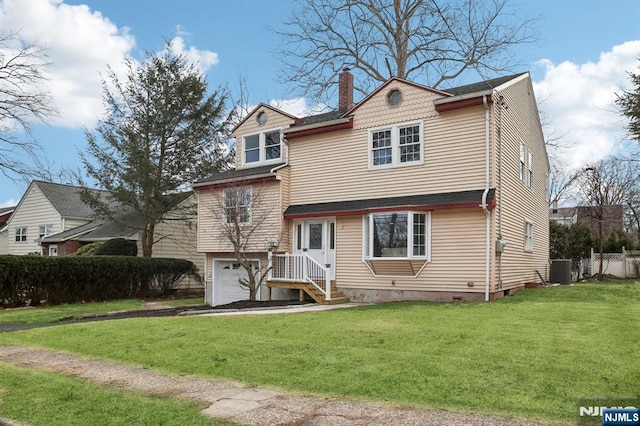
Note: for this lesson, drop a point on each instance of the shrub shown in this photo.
(117, 247)
(87, 249)
(31, 279)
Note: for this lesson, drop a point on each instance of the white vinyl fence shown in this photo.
(622, 265)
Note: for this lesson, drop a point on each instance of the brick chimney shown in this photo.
(345, 90)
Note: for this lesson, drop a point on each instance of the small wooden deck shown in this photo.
(337, 297)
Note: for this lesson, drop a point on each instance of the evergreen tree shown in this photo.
(161, 131)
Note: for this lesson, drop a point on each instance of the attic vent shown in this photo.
(261, 118)
(394, 97)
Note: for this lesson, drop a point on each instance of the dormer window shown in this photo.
(262, 148)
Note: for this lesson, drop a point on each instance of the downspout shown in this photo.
(501, 106)
(484, 201)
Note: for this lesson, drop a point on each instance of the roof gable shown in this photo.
(65, 199)
(261, 107)
(385, 85)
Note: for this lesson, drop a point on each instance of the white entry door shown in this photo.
(318, 237)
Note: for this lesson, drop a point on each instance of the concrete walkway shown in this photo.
(241, 404)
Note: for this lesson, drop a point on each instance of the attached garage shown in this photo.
(226, 283)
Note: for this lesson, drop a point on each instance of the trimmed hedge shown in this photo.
(28, 280)
(117, 247)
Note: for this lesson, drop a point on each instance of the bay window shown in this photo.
(396, 235)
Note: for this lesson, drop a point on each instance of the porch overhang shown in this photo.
(426, 202)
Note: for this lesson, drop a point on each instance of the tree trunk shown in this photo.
(147, 239)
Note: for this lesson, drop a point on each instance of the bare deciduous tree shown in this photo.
(23, 99)
(602, 184)
(561, 181)
(244, 213)
(430, 41)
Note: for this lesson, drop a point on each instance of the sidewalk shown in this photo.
(244, 405)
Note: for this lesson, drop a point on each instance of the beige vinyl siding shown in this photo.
(72, 223)
(457, 255)
(285, 226)
(177, 235)
(33, 210)
(266, 209)
(335, 166)
(250, 127)
(4, 241)
(519, 202)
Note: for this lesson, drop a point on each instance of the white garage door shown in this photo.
(230, 289)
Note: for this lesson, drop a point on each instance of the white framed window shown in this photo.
(530, 164)
(44, 230)
(21, 234)
(396, 145)
(262, 148)
(528, 236)
(53, 250)
(237, 205)
(523, 150)
(396, 235)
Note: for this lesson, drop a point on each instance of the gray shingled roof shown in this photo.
(419, 201)
(480, 86)
(237, 173)
(456, 91)
(4, 210)
(66, 199)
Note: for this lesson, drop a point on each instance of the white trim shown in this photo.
(395, 145)
(215, 277)
(262, 151)
(528, 238)
(249, 207)
(367, 241)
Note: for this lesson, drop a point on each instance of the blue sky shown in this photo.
(585, 49)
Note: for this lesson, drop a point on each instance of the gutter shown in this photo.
(317, 128)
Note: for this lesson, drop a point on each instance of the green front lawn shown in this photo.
(51, 314)
(38, 397)
(531, 355)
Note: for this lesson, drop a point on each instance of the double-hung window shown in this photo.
(265, 147)
(44, 230)
(396, 145)
(523, 150)
(528, 236)
(530, 163)
(237, 206)
(396, 234)
(21, 234)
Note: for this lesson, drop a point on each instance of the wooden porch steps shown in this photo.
(337, 297)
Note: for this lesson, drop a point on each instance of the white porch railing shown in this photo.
(300, 267)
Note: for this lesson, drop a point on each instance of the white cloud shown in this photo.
(8, 203)
(80, 44)
(298, 107)
(578, 102)
(203, 59)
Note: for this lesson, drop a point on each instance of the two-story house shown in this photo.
(413, 193)
(52, 220)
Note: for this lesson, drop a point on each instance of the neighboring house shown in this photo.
(52, 220)
(5, 214)
(612, 217)
(411, 194)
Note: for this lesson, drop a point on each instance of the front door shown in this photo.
(317, 237)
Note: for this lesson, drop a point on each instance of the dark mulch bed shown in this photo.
(242, 304)
(253, 304)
